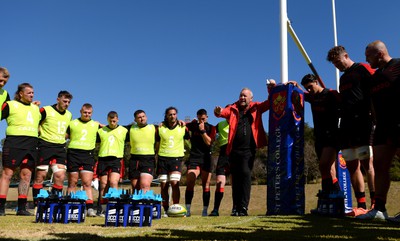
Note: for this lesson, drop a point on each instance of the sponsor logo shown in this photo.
(28, 129)
(135, 219)
(73, 214)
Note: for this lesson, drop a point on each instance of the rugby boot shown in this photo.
(2, 211)
(24, 213)
(2, 207)
(394, 219)
(374, 214)
(214, 213)
(356, 212)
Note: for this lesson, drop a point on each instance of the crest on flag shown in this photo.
(278, 104)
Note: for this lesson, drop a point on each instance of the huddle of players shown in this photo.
(360, 122)
(353, 106)
(365, 120)
(32, 150)
(25, 148)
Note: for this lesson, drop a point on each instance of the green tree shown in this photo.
(311, 170)
(395, 169)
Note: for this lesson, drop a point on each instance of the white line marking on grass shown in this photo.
(226, 224)
(244, 220)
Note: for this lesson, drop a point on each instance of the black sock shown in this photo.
(360, 196)
(2, 204)
(218, 198)
(326, 184)
(22, 203)
(35, 192)
(189, 196)
(165, 208)
(56, 191)
(206, 198)
(89, 205)
(336, 185)
(380, 205)
(372, 196)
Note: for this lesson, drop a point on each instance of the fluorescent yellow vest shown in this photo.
(142, 139)
(54, 126)
(82, 135)
(3, 97)
(223, 131)
(112, 141)
(23, 120)
(171, 141)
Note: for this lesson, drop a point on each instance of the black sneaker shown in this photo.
(314, 211)
(2, 212)
(100, 213)
(243, 212)
(24, 213)
(214, 213)
(234, 212)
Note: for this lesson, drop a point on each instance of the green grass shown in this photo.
(307, 227)
(254, 227)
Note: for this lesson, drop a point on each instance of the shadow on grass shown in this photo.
(311, 227)
(308, 227)
(299, 228)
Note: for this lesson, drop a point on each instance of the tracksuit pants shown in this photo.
(241, 162)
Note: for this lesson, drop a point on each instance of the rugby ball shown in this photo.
(176, 210)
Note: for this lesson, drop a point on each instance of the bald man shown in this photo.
(385, 90)
(246, 134)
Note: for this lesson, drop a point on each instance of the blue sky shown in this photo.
(125, 55)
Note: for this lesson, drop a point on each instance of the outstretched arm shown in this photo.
(295, 84)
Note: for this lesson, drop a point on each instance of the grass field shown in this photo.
(257, 226)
